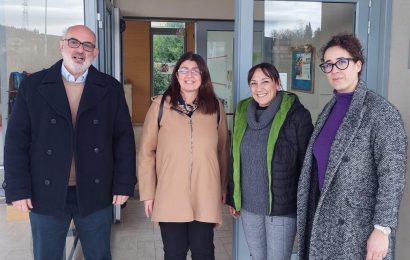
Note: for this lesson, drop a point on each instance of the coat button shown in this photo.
(96, 181)
(47, 182)
(53, 121)
(341, 221)
(345, 159)
(95, 122)
(4, 185)
(49, 152)
(96, 150)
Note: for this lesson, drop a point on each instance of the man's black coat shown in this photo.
(41, 142)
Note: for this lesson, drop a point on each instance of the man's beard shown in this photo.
(72, 66)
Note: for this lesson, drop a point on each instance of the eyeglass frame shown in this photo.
(185, 71)
(335, 64)
(81, 43)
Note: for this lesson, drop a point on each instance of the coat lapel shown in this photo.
(94, 90)
(345, 134)
(53, 91)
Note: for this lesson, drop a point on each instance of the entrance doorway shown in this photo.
(168, 43)
(151, 49)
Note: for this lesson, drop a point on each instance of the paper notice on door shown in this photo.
(284, 80)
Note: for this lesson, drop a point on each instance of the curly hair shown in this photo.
(349, 42)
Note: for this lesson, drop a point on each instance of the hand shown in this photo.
(233, 212)
(377, 245)
(223, 198)
(119, 199)
(23, 205)
(148, 205)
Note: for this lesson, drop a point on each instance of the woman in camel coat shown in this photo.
(182, 162)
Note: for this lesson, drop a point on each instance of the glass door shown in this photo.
(167, 45)
(220, 63)
(215, 43)
(293, 32)
(105, 36)
(29, 41)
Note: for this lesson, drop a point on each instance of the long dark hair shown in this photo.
(206, 99)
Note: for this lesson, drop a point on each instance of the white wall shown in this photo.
(184, 9)
(399, 95)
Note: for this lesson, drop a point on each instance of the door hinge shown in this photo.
(368, 27)
(100, 22)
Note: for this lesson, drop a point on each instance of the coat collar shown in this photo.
(52, 89)
(346, 132)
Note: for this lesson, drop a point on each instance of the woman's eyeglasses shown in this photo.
(74, 43)
(185, 71)
(341, 64)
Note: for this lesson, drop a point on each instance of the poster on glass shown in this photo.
(303, 69)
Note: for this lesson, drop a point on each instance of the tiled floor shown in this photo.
(134, 238)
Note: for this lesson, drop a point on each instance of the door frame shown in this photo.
(161, 31)
(98, 14)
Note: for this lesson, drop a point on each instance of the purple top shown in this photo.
(323, 142)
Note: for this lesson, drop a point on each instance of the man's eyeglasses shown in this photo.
(185, 71)
(341, 64)
(74, 43)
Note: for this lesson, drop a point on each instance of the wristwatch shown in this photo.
(385, 230)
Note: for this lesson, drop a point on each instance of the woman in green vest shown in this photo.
(270, 136)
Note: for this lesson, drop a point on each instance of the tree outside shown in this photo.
(166, 51)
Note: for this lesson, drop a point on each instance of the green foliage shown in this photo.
(166, 49)
(174, 25)
(160, 81)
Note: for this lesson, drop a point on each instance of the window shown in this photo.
(167, 45)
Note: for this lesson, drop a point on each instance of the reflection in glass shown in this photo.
(294, 32)
(167, 25)
(296, 29)
(220, 64)
(30, 31)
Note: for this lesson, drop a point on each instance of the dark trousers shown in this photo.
(179, 237)
(94, 232)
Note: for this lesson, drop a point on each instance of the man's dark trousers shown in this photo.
(94, 231)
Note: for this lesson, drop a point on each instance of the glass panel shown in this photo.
(29, 41)
(257, 47)
(220, 64)
(220, 46)
(166, 51)
(167, 25)
(294, 32)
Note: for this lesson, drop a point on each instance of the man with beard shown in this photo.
(69, 150)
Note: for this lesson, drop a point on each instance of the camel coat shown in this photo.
(183, 165)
